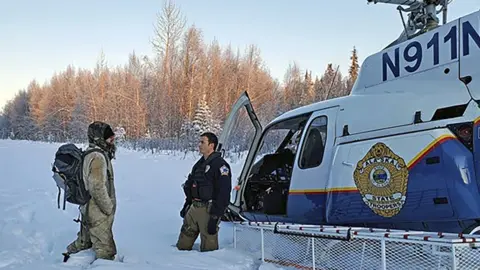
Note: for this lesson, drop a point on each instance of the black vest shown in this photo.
(202, 179)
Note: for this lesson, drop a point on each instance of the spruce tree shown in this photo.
(203, 119)
(353, 70)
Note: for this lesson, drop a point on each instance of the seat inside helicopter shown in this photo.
(268, 182)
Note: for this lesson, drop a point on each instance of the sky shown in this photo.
(39, 38)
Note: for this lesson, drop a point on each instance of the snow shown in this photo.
(34, 232)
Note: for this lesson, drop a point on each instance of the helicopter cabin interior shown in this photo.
(268, 183)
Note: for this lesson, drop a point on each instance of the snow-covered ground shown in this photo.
(34, 232)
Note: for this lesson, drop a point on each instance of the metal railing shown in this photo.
(332, 247)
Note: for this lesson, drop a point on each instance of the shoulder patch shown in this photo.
(224, 170)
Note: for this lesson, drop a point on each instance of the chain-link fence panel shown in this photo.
(248, 239)
(319, 247)
(467, 256)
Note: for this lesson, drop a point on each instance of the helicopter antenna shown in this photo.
(421, 18)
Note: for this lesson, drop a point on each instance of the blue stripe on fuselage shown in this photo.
(426, 183)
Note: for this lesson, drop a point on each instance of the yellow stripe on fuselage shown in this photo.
(410, 165)
(476, 121)
(428, 149)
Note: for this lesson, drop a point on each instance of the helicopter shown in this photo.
(401, 151)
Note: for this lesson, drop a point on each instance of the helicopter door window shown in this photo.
(314, 145)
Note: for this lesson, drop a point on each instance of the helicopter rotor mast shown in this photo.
(422, 15)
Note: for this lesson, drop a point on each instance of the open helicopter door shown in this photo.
(241, 133)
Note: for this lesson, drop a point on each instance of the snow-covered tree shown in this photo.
(148, 134)
(120, 133)
(203, 120)
(352, 71)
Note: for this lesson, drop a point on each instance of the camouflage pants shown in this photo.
(195, 223)
(98, 236)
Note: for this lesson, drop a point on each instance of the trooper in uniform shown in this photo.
(207, 191)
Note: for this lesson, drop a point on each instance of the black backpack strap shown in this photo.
(64, 201)
(58, 198)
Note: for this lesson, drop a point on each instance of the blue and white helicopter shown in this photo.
(402, 151)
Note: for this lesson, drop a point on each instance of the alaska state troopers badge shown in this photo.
(382, 177)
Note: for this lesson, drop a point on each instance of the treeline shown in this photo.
(163, 102)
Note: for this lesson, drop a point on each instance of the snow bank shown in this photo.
(34, 232)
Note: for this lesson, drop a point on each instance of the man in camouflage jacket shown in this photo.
(98, 214)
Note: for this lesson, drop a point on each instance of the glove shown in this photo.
(184, 210)
(212, 225)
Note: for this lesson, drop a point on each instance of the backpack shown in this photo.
(68, 174)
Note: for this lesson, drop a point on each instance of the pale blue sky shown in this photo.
(38, 38)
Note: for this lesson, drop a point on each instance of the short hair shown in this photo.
(212, 138)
